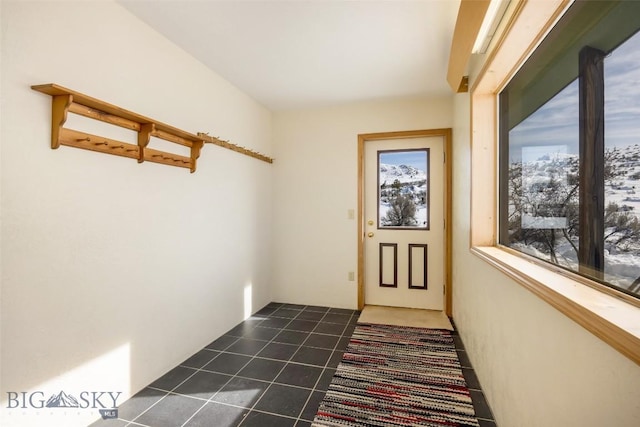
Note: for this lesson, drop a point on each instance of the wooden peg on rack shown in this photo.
(165, 158)
(233, 147)
(87, 141)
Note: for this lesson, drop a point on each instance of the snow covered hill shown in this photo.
(403, 173)
(545, 189)
(413, 182)
(624, 189)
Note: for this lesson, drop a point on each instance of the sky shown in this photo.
(417, 159)
(556, 122)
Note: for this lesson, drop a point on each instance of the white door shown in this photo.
(404, 247)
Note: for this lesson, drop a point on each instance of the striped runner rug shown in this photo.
(398, 376)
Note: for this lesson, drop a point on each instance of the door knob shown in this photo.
(370, 222)
(370, 234)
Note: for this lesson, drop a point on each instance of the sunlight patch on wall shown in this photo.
(248, 295)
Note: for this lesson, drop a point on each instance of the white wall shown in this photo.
(536, 366)
(112, 271)
(315, 182)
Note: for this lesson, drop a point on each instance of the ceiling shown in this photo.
(308, 53)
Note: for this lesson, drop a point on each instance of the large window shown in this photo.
(570, 147)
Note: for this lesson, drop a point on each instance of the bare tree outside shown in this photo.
(402, 209)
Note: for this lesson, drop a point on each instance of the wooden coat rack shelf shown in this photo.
(233, 147)
(66, 101)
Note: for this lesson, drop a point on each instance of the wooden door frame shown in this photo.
(362, 140)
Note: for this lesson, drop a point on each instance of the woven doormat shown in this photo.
(398, 376)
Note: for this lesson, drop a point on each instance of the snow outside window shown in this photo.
(546, 155)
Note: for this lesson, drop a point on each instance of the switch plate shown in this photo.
(352, 276)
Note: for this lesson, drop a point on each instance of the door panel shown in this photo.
(404, 248)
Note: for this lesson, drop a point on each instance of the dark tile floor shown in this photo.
(483, 411)
(273, 369)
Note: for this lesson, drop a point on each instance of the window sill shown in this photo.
(611, 319)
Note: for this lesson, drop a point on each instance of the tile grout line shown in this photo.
(470, 368)
(304, 405)
(236, 339)
(325, 367)
(203, 369)
(130, 422)
(178, 385)
(276, 376)
(297, 419)
(288, 361)
(244, 366)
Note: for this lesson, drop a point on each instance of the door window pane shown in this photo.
(403, 189)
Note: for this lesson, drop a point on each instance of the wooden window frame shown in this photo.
(591, 149)
(612, 316)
